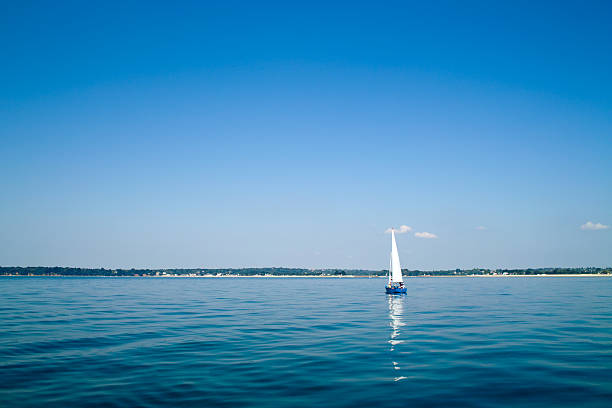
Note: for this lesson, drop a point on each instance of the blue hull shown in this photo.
(395, 290)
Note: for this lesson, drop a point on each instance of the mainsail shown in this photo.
(396, 269)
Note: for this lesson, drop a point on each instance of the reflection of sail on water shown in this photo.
(396, 311)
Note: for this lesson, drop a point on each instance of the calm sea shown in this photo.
(289, 342)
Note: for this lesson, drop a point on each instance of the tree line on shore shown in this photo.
(66, 271)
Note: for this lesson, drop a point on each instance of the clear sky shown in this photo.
(230, 134)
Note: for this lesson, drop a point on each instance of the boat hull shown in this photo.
(396, 290)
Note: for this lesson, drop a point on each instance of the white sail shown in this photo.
(396, 269)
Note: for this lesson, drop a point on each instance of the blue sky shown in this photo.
(142, 134)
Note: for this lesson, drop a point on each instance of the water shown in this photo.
(452, 342)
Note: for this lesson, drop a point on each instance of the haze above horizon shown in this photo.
(145, 135)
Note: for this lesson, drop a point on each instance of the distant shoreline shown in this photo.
(316, 276)
(282, 272)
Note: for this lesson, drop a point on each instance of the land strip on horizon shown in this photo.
(292, 272)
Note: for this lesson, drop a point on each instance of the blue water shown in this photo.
(452, 342)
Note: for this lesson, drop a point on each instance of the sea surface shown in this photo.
(305, 342)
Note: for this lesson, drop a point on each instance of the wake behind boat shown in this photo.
(395, 284)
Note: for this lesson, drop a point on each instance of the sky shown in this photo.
(256, 134)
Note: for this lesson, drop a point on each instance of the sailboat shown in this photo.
(395, 283)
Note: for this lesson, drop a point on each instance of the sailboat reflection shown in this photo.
(396, 312)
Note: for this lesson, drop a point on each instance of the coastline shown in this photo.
(575, 275)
